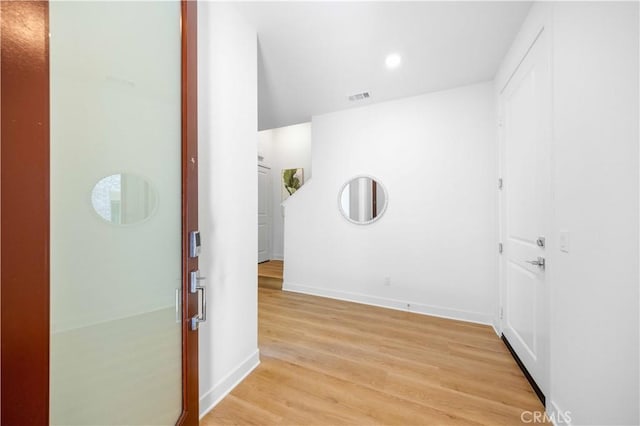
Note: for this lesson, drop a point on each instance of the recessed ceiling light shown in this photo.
(393, 61)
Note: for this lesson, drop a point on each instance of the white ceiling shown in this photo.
(312, 55)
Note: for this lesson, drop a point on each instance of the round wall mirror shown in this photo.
(124, 199)
(362, 200)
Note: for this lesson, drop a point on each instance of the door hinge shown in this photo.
(500, 248)
(499, 183)
(501, 312)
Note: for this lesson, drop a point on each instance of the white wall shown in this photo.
(227, 132)
(595, 285)
(284, 148)
(594, 288)
(437, 156)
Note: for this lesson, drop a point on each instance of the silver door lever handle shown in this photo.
(202, 316)
(538, 262)
(195, 278)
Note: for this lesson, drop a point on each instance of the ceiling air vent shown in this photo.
(359, 96)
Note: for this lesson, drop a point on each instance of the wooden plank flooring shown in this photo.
(270, 274)
(327, 362)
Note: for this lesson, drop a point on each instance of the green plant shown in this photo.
(290, 181)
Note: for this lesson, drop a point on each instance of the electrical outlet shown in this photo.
(387, 281)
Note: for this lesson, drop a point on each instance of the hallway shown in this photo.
(325, 361)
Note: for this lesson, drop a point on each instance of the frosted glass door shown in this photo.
(116, 336)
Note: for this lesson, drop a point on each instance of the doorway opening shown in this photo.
(269, 269)
(284, 168)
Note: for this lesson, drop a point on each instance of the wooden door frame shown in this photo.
(24, 215)
(189, 77)
(24, 198)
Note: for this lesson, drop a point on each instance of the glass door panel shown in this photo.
(116, 342)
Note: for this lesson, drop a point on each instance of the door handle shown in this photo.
(202, 316)
(178, 302)
(540, 262)
(195, 321)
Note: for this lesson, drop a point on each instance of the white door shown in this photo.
(264, 214)
(525, 218)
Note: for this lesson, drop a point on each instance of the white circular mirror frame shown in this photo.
(384, 207)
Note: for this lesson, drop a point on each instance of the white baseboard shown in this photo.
(558, 417)
(221, 389)
(497, 327)
(400, 305)
(277, 257)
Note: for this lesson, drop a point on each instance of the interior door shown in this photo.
(264, 214)
(99, 136)
(525, 105)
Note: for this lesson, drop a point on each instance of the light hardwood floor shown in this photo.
(270, 274)
(327, 362)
